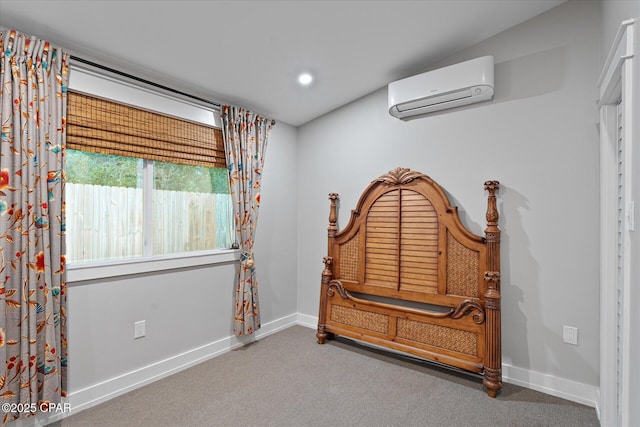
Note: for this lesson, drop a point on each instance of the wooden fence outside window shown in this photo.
(106, 223)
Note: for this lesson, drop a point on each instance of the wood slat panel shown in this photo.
(376, 274)
(413, 207)
(419, 266)
(413, 196)
(418, 243)
(431, 264)
(411, 230)
(419, 270)
(382, 259)
(381, 266)
(383, 204)
(376, 245)
(425, 218)
(426, 281)
(419, 275)
(419, 253)
(378, 251)
(381, 241)
(418, 228)
(374, 225)
(383, 211)
(409, 242)
(383, 216)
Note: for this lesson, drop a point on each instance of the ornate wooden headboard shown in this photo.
(406, 274)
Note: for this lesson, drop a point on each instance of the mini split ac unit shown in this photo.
(460, 84)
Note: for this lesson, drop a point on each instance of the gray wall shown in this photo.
(611, 14)
(275, 240)
(538, 137)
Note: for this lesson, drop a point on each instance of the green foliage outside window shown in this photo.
(118, 171)
(195, 179)
(100, 169)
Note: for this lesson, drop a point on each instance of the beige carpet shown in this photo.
(286, 379)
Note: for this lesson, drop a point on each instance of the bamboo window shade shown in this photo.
(107, 127)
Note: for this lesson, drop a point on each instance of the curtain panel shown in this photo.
(245, 137)
(33, 343)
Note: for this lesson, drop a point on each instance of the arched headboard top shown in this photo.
(405, 240)
(404, 178)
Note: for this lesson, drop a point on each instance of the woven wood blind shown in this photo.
(107, 127)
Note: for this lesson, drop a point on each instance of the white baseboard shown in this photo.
(597, 405)
(98, 393)
(549, 384)
(307, 321)
(566, 389)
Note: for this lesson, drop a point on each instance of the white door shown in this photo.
(620, 252)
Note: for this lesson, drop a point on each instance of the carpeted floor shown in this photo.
(286, 379)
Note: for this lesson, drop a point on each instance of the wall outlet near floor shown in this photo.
(570, 335)
(139, 329)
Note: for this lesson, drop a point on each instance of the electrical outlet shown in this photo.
(570, 335)
(139, 329)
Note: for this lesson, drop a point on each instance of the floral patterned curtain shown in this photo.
(33, 345)
(245, 140)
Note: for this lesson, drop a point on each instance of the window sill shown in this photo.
(81, 272)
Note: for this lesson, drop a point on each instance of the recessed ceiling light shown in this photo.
(305, 79)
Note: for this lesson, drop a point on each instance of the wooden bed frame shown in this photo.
(406, 274)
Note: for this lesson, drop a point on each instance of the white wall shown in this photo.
(188, 311)
(537, 137)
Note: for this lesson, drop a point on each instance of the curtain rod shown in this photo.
(141, 80)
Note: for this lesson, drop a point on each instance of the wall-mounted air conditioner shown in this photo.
(460, 84)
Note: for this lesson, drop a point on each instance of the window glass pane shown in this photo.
(104, 207)
(191, 208)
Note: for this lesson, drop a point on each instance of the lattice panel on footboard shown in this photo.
(460, 341)
(363, 319)
(438, 336)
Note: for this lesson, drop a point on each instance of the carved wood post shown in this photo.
(493, 353)
(327, 273)
(327, 276)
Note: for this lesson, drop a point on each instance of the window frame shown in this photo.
(80, 272)
(96, 82)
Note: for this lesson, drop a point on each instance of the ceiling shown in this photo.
(249, 53)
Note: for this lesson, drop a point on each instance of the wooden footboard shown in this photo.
(454, 337)
(405, 243)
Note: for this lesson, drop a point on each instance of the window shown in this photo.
(141, 183)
